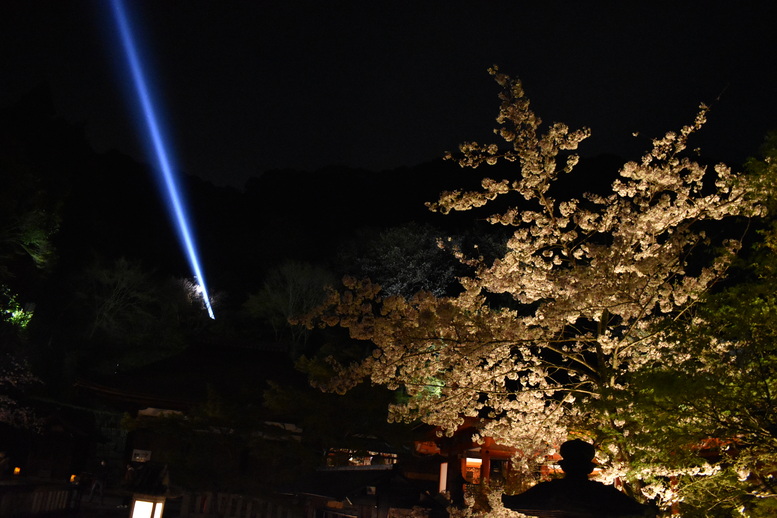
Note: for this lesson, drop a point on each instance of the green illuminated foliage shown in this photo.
(29, 217)
(11, 311)
(715, 398)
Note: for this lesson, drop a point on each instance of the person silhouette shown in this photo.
(575, 496)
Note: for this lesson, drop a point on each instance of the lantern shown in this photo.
(147, 506)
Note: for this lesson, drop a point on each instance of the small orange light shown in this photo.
(72, 479)
(17, 470)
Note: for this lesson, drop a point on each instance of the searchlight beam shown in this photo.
(158, 149)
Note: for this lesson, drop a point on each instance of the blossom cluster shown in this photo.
(591, 278)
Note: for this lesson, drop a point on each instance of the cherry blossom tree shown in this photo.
(544, 341)
(718, 394)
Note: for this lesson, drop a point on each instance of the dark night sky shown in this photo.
(250, 86)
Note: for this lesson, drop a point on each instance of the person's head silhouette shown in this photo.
(576, 495)
(577, 459)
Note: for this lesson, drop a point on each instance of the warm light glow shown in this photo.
(158, 148)
(443, 486)
(17, 470)
(73, 478)
(472, 470)
(148, 506)
(142, 509)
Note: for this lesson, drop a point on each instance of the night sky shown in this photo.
(251, 86)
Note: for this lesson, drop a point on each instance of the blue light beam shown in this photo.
(159, 151)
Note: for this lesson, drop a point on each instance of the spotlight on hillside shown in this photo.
(157, 148)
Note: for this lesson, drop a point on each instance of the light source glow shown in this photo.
(158, 148)
(147, 506)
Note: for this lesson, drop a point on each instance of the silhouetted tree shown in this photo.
(130, 316)
(289, 290)
(30, 202)
(404, 260)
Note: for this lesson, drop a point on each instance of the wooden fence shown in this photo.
(22, 500)
(226, 505)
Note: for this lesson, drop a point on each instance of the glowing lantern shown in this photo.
(147, 506)
(472, 470)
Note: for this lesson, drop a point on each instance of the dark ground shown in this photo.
(112, 506)
(109, 507)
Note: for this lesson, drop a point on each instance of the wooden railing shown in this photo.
(30, 499)
(226, 505)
